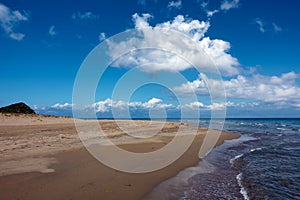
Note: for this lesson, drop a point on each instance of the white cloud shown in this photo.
(264, 26)
(141, 21)
(17, 36)
(197, 86)
(52, 31)
(214, 106)
(102, 37)
(119, 107)
(85, 15)
(154, 103)
(175, 4)
(211, 13)
(9, 20)
(108, 104)
(103, 106)
(193, 105)
(220, 106)
(227, 5)
(269, 89)
(205, 8)
(204, 4)
(62, 106)
(261, 25)
(217, 50)
(166, 61)
(276, 27)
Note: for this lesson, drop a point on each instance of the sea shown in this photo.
(264, 163)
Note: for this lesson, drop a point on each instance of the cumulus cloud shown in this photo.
(197, 86)
(103, 106)
(102, 37)
(9, 19)
(62, 106)
(112, 108)
(193, 105)
(217, 50)
(84, 15)
(52, 31)
(120, 108)
(175, 4)
(227, 5)
(155, 103)
(202, 106)
(261, 25)
(269, 89)
(108, 104)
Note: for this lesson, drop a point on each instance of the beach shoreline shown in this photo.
(43, 158)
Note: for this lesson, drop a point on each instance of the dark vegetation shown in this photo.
(17, 108)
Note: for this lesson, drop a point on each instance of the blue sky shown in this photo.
(255, 44)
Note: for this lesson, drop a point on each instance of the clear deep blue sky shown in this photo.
(40, 66)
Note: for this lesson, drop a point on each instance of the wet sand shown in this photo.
(43, 158)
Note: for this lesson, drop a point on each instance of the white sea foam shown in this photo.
(256, 149)
(243, 190)
(235, 158)
(282, 129)
(258, 124)
(232, 160)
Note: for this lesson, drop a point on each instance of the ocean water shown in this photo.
(264, 163)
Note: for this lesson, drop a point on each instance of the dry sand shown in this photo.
(43, 158)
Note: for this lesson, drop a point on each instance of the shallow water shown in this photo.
(263, 164)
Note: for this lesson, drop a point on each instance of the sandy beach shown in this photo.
(42, 157)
